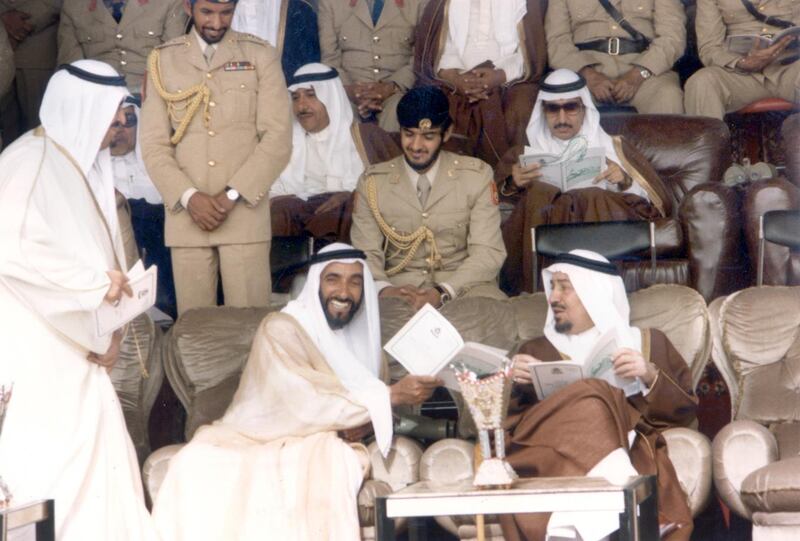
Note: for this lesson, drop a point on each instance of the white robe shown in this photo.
(273, 466)
(64, 435)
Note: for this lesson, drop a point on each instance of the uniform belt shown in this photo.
(613, 46)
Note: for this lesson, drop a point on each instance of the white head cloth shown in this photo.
(258, 17)
(354, 352)
(342, 160)
(541, 140)
(506, 14)
(605, 300)
(76, 114)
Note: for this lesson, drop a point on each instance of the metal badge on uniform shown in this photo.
(243, 65)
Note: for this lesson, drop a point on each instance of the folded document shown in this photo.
(109, 318)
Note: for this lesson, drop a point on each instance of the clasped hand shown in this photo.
(369, 97)
(606, 90)
(475, 84)
(207, 211)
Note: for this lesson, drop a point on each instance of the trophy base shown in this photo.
(495, 473)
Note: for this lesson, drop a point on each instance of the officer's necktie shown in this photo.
(423, 189)
(377, 7)
(116, 8)
(209, 53)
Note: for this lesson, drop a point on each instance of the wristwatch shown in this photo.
(232, 194)
(645, 73)
(444, 295)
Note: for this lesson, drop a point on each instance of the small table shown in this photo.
(534, 495)
(41, 513)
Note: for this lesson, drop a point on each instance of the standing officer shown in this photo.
(119, 32)
(371, 45)
(216, 132)
(730, 80)
(428, 220)
(31, 27)
(625, 53)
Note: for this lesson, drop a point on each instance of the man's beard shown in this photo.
(564, 327)
(336, 322)
(426, 165)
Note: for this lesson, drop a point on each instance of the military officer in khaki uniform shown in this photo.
(119, 32)
(730, 80)
(216, 132)
(621, 68)
(371, 44)
(31, 27)
(428, 220)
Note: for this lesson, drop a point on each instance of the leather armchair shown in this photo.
(698, 242)
(757, 350)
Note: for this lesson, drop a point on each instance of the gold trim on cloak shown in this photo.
(637, 177)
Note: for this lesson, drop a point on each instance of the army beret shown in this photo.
(424, 107)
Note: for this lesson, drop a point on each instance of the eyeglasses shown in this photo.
(570, 108)
(131, 120)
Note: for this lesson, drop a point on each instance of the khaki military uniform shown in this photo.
(366, 52)
(569, 22)
(245, 145)
(461, 212)
(719, 88)
(35, 59)
(88, 30)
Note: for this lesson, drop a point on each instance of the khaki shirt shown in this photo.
(245, 146)
(88, 30)
(362, 51)
(718, 19)
(6, 62)
(569, 22)
(38, 50)
(461, 211)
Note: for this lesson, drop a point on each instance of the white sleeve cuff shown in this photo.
(449, 289)
(186, 196)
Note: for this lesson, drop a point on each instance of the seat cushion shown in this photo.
(774, 488)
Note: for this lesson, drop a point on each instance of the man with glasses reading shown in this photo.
(566, 123)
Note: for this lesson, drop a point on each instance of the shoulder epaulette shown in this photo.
(180, 40)
(469, 163)
(382, 168)
(252, 38)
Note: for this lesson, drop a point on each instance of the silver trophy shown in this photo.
(5, 397)
(487, 398)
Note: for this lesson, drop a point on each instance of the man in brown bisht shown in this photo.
(590, 427)
(564, 123)
(489, 55)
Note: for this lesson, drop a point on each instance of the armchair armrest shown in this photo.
(690, 453)
(739, 449)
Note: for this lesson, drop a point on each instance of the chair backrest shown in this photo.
(614, 240)
(778, 226)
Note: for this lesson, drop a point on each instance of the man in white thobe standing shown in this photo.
(64, 435)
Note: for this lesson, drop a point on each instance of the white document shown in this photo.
(549, 377)
(743, 43)
(428, 344)
(578, 171)
(143, 282)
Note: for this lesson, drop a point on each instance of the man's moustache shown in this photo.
(561, 125)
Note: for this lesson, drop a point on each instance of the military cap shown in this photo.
(424, 107)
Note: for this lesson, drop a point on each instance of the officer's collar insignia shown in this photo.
(425, 124)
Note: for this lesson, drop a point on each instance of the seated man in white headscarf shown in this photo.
(313, 195)
(275, 466)
(144, 204)
(565, 120)
(590, 427)
(64, 435)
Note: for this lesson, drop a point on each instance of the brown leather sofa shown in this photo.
(698, 242)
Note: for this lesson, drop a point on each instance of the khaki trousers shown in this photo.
(246, 279)
(714, 91)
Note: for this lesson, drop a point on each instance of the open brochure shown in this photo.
(549, 377)
(109, 318)
(428, 344)
(744, 43)
(577, 171)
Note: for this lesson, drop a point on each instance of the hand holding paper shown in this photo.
(140, 287)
